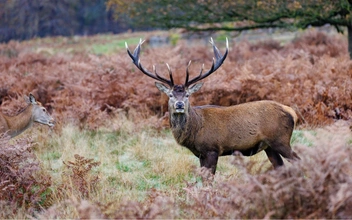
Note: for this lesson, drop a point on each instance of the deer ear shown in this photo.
(195, 88)
(32, 99)
(162, 87)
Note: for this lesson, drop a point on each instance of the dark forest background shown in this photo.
(26, 19)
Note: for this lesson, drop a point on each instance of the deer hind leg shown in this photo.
(209, 160)
(285, 150)
(274, 157)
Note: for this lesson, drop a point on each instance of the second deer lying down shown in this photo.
(213, 131)
(34, 112)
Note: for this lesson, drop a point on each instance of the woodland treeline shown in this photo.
(239, 15)
(26, 19)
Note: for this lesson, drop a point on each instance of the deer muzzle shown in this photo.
(51, 123)
(179, 107)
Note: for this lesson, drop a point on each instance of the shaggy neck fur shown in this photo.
(184, 126)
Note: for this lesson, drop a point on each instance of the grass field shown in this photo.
(112, 155)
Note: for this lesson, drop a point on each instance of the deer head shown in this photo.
(179, 94)
(39, 113)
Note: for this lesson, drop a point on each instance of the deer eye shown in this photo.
(44, 110)
(187, 95)
(170, 95)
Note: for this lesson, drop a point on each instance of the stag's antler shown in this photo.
(217, 62)
(137, 62)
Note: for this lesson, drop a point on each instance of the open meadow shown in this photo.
(111, 153)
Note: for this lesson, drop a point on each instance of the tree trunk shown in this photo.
(349, 28)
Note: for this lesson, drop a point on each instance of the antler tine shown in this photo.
(218, 60)
(187, 72)
(170, 74)
(136, 61)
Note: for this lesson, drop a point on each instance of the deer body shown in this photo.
(34, 112)
(213, 131)
(202, 128)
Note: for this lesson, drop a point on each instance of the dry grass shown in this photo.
(145, 174)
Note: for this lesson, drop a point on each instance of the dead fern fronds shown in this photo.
(79, 174)
(23, 184)
(318, 186)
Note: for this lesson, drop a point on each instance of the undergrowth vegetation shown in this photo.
(311, 74)
(111, 154)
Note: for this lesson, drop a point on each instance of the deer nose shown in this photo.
(179, 105)
(52, 122)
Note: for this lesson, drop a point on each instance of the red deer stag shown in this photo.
(213, 131)
(34, 112)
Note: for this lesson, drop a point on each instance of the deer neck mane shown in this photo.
(20, 122)
(184, 126)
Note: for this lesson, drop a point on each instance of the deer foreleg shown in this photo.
(209, 160)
